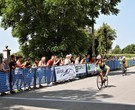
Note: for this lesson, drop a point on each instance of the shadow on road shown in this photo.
(113, 73)
(86, 99)
(110, 86)
(61, 100)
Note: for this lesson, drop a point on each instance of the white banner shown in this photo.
(81, 68)
(90, 68)
(64, 73)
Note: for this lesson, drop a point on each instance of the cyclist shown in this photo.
(102, 67)
(123, 62)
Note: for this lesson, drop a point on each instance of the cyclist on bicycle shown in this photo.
(123, 62)
(102, 67)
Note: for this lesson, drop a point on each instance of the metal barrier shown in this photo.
(114, 64)
(4, 82)
(131, 62)
(24, 78)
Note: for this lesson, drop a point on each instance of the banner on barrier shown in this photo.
(90, 68)
(64, 73)
(81, 68)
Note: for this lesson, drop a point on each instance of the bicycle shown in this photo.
(102, 82)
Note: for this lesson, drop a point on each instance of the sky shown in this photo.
(123, 23)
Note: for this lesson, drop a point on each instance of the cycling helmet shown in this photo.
(98, 57)
(123, 57)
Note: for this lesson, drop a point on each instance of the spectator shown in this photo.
(42, 62)
(61, 62)
(71, 59)
(83, 61)
(18, 63)
(88, 58)
(41, 70)
(4, 68)
(27, 74)
(1, 72)
(67, 60)
(1, 67)
(19, 74)
(77, 60)
(12, 66)
(93, 59)
(56, 61)
(49, 75)
(12, 63)
(27, 63)
(51, 61)
(35, 65)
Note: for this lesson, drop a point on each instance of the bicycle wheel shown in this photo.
(99, 82)
(106, 82)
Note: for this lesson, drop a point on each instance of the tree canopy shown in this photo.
(45, 27)
(116, 50)
(105, 35)
(130, 49)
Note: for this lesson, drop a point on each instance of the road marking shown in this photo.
(63, 100)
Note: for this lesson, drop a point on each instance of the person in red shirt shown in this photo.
(49, 74)
(51, 61)
(93, 60)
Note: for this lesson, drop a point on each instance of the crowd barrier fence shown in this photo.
(33, 77)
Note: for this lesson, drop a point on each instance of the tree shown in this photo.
(46, 27)
(105, 35)
(130, 49)
(97, 7)
(116, 50)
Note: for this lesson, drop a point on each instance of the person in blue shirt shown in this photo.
(88, 58)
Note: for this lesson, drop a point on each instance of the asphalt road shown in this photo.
(78, 95)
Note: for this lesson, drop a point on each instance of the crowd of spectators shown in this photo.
(17, 63)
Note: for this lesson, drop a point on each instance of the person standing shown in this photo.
(12, 65)
(1, 79)
(67, 60)
(19, 74)
(77, 60)
(41, 70)
(49, 74)
(27, 74)
(5, 69)
(88, 58)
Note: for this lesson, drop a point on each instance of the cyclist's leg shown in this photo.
(107, 68)
(101, 74)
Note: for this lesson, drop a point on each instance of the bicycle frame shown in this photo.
(101, 82)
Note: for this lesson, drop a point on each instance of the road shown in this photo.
(78, 95)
